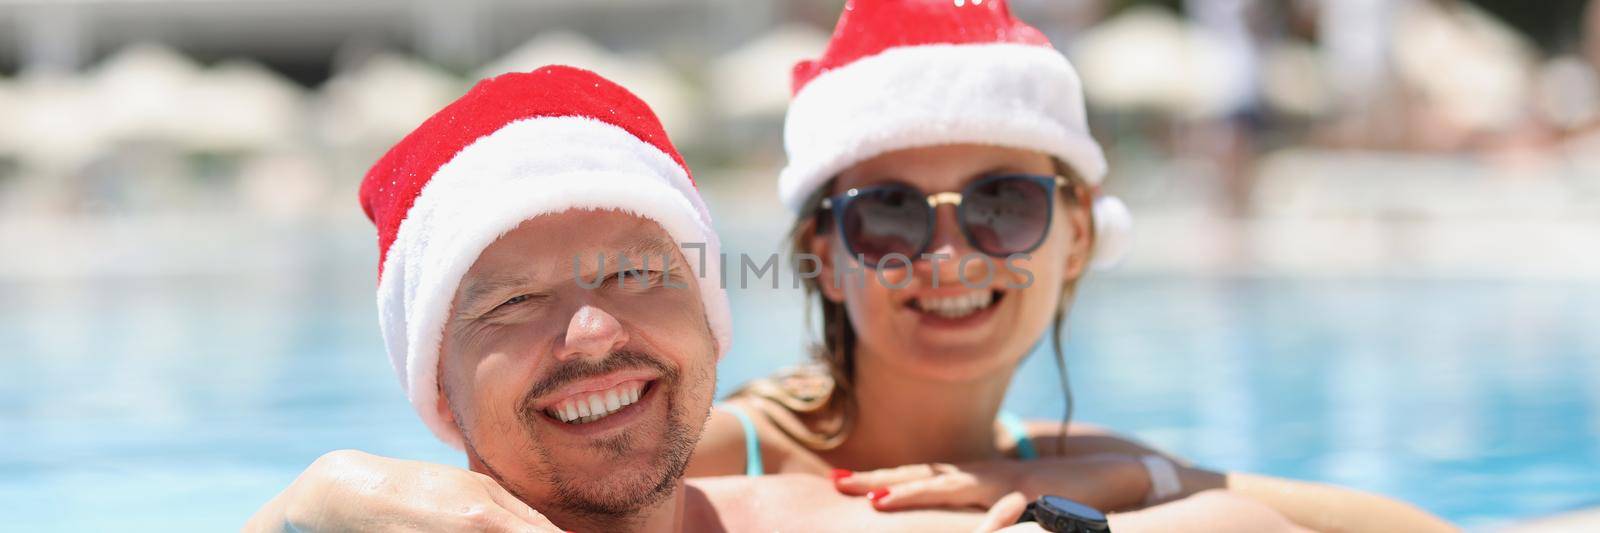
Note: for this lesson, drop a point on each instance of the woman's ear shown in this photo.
(1079, 221)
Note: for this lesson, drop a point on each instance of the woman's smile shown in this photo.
(961, 309)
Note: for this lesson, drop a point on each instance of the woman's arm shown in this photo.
(1205, 511)
(1105, 471)
(1329, 508)
(781, 502)
(1313, 505)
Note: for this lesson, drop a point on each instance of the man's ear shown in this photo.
(1079, 223)
(822, 247)
(441, 401)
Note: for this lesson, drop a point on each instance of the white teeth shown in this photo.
(596, 405)
(956, 306)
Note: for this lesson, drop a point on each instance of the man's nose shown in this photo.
(592, 333)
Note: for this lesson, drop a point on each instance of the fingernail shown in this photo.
(840, 473)
(877, 494)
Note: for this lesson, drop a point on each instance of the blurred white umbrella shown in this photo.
(1295, 82)
(1569, 92)
(242, 106)
(382, 100)
(55, 124)
(141, 92)
(1468, 65)
(286, 186)
(1148, 58)
(671, 98)
(52, 127)
(753, 80)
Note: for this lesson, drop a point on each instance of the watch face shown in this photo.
(1066, 507)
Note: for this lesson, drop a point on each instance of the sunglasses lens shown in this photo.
(882, 221)
(1006, 215)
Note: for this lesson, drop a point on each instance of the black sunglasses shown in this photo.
(1000, 215)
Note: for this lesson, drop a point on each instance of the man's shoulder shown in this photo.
(790, 501)
(745, 490)
(746, 503)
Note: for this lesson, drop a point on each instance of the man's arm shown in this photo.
(347, 490)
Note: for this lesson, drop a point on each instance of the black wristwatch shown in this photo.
(1061, 515)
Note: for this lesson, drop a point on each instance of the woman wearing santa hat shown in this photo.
(940, 155)
(942, 173)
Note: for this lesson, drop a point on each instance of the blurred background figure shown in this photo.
(1367, 232)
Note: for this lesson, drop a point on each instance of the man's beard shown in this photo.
(577, 493)
(623, 492)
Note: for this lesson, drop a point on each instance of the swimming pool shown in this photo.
(183, 405)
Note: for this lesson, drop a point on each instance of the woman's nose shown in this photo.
(948, 247)
(592, 332)
(947, 236)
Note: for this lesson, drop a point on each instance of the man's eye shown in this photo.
(638, 278)
(513, 301)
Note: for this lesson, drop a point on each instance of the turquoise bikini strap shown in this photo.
(1019, 431)
(752, 446)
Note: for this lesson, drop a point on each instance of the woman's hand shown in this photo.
(348, 490)
(1104, 481)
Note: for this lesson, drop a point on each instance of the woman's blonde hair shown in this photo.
(815, 404)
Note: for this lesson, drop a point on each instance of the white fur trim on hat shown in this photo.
(528, 168)
(1015, 95)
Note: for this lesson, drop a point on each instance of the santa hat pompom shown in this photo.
(1113, 232)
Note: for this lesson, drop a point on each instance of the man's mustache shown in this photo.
(585, 368)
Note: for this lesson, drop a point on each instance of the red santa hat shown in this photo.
(515, 147)
(902, 74)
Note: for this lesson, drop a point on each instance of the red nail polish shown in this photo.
(877, 494)
(840, 473)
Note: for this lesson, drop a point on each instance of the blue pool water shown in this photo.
(168, 405)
